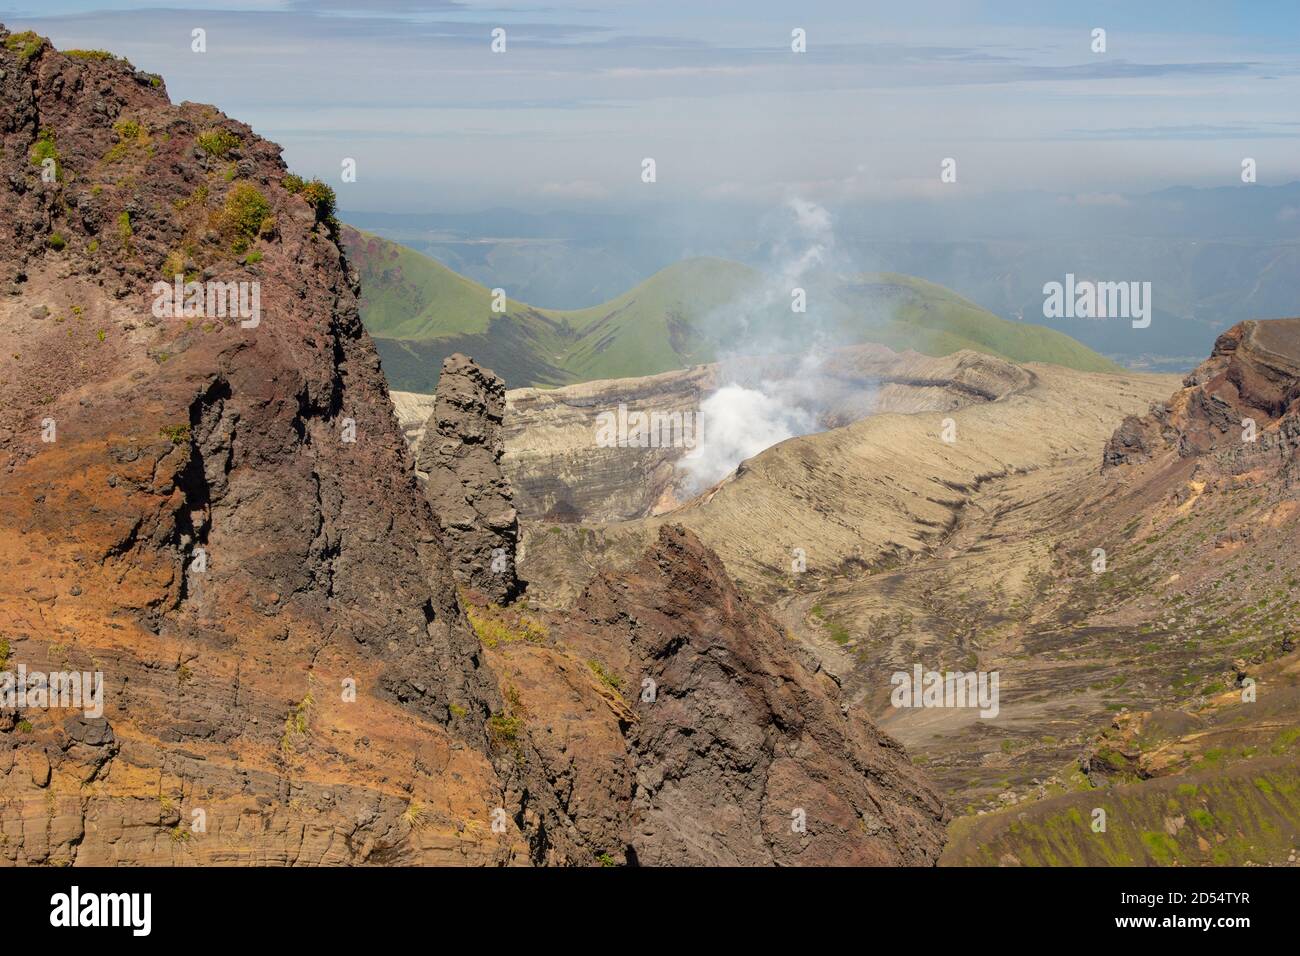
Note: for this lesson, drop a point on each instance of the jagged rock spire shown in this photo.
(461, 453)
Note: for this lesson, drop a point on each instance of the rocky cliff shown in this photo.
(682, 726)
(1233, 429)
(1240, 404)
(460, 458)
(215, 511)
(745, 752)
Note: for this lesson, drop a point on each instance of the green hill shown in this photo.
(937, 321)
(419, 311)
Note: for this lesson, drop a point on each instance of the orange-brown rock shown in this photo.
(1240, 403)
(182, 509)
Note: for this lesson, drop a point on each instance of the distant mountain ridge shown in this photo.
(1215, 256)
(694, 311)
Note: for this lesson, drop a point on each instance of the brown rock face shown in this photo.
(216, 514)
(1253, 373)
(1136, 439)
(461, 454)
(739, 751)
(1249, 384)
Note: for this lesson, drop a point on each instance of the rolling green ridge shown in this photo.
(937, 321)
(419, 311)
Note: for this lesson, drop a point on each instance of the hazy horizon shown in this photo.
(988, 147)
(582, 93)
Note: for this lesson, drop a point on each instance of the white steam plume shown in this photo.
(740, 422)
(744, 417)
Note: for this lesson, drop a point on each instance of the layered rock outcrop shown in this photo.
(697, 733)
(1241, 405)
(215, 512)
(460, 457)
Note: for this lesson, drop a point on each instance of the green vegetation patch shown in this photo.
(130, 135)
(1232, 817)
(610, 680)
(100, 55)
(295, 723)
(45, 148)
(176, 434)
(243, 214)
(320, 195)
(503, 730)
(217, 142)
(1161, 845)
(124, 230)
(26, 44)
(495, 626)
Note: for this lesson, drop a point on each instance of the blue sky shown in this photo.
(711, 91)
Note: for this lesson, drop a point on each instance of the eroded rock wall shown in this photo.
(219, 515)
